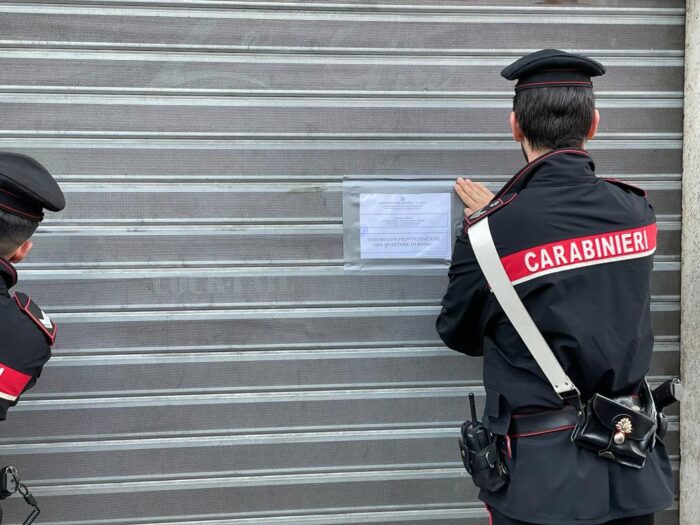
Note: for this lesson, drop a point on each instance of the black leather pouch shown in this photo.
(618, 429)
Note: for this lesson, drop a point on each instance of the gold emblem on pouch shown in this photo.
(624, 427)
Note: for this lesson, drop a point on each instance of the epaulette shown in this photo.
(37, 315)
(627, 186)
(490, 208)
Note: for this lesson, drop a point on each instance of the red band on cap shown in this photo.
(16, 205)
(555, 83)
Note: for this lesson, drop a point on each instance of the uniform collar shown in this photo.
(8, 275)
(559, 167)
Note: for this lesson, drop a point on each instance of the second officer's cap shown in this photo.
(27, 188)
(553, 68)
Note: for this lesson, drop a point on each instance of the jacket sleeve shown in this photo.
(16, 381)
(459, 321)
(24, 351)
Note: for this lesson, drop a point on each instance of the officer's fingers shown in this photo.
(459, 189)
(468, 212)
(471, 187)
(484, 190)
(466, 184)
(466, 197)
(479, 192)
(477, 199)
(465, 187)
(461, 184)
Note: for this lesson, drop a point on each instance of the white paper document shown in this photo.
(405, 226)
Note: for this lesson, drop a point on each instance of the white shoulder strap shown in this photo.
(490, 263)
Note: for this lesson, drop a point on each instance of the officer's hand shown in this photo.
(474, 194)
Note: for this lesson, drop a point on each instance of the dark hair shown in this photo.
(557, 117)
(14, 231)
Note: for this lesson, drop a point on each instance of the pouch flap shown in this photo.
(497, 413)
(609, 413)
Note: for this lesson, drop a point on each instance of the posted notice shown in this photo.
(405, 226)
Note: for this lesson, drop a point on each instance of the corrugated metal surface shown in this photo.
(215, 364)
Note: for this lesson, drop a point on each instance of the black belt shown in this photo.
(526, 425)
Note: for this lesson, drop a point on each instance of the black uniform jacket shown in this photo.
(579, 251)
(25, 344)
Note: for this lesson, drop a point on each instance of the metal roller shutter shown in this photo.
(214, 362)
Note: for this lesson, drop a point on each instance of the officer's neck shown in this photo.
(534, 153)
(531, 153)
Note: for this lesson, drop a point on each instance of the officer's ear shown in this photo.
(515, 129)
(20, 253)
(594, 125)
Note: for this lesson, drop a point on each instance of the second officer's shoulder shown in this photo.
(28, 333)
(24, 350)
(37, 316)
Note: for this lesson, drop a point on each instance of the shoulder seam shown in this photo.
(493, 206)
(625, 184)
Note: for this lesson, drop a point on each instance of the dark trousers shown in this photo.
(499, 519)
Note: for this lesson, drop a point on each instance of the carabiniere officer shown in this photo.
(26, 189)
(578, 250)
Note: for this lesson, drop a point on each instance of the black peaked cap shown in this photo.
(27, 188)
(553, 68)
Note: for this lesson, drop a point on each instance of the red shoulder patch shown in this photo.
(12, 382)
(627, 186)
(37, 315)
